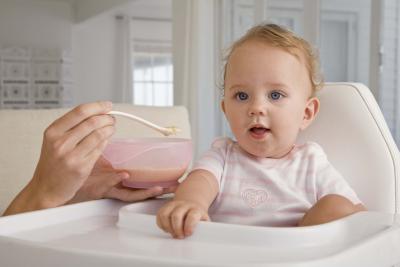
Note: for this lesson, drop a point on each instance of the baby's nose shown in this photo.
(257, 109)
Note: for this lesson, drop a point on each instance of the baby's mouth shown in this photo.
(258, 131)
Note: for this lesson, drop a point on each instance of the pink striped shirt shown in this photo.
(266, 191)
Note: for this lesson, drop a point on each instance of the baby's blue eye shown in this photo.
(275, 95)
(242, 96)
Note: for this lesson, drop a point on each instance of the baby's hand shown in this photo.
(179, 217)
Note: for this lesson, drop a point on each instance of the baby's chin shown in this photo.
(267, 153)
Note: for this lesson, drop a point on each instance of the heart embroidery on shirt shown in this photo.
(254, 197)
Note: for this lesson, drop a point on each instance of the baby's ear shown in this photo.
(222, 106)
(310, 112)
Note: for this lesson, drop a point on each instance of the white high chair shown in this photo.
(351, 129)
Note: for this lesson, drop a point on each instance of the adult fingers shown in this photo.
(171, 189)
(103, 163)
(132, 195)
(95, 142)
(96, 186)
(89, 160)
(95, 128)
(77, 115)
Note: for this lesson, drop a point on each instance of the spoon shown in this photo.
(171, 130)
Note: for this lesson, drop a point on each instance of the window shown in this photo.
(152, 67)
(153, 79)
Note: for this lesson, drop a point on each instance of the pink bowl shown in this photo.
(150, 161)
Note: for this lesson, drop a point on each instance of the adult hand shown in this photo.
(106, 182)
(71, 146)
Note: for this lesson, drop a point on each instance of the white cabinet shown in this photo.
(15, 78)
(51, 78)
(35, 78)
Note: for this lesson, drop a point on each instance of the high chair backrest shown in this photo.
(351, 129)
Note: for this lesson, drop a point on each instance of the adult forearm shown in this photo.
(29, 199)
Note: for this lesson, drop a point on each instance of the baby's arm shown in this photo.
(329, 208)
(190, 204)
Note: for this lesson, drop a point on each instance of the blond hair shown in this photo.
(280, 37)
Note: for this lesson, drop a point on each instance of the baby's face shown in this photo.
(267, 98)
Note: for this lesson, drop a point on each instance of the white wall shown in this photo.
(94, 52)
(85, 9)
(37, 24)
(389, 98)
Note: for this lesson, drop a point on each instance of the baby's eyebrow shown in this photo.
(237, 86)
(266, 85)
(277, 85)
(269, 85)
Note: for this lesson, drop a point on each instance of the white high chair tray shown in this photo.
(91, 234)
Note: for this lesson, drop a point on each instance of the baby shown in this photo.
(263, 177)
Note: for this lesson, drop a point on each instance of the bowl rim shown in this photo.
(159, 140)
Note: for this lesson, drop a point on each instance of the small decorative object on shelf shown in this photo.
(35, 78)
